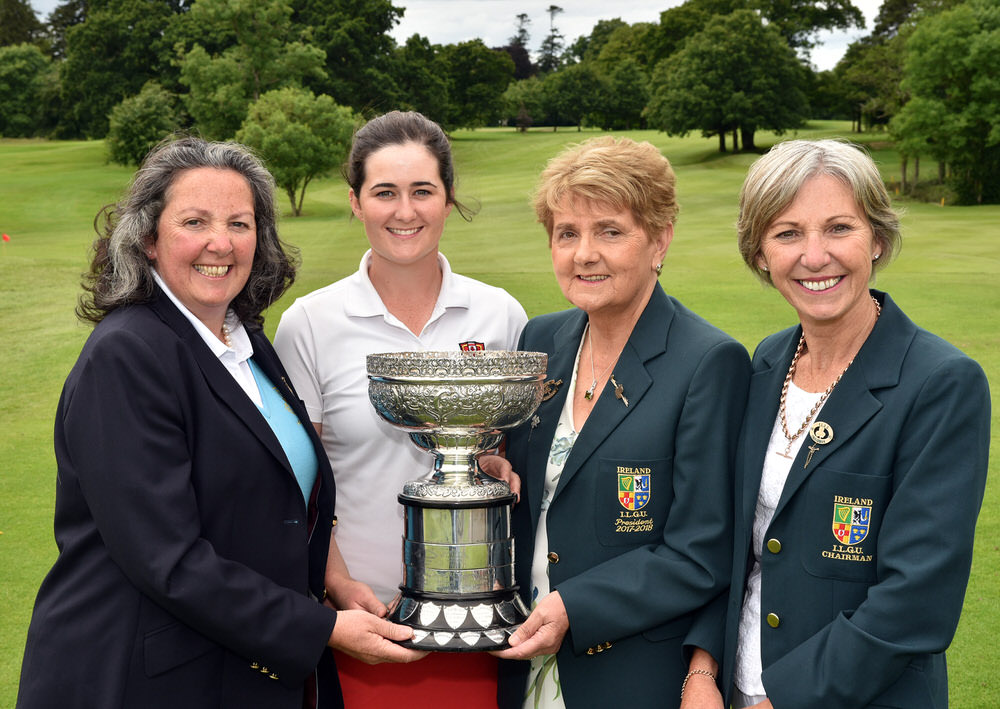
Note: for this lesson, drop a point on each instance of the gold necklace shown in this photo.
(589, 394)
(788, 380)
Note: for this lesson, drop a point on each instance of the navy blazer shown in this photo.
(632, 579)
(863, 619)
(189, 563)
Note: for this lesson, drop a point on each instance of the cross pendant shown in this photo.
(812, 449)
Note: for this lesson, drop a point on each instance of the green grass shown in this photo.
(945, 278)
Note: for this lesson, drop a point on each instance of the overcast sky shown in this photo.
(495, 21)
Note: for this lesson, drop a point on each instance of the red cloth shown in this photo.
(442, 680)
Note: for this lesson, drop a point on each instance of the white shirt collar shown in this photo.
(241, 349)
(367, 303)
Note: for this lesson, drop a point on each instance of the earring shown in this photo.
(658, 268)
(765, 269)
(876, 257)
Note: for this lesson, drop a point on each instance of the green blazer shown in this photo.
(864, 620)
(631, 579)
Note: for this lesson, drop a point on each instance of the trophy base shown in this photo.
(458, 622)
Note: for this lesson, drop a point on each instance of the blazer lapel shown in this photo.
(220, 381)
(849, 407)
(648, 339)
(851, 404)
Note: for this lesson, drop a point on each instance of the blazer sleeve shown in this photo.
(125, 436)
(691, 563)
(924, 553)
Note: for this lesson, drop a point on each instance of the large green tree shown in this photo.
(300, 137)
(573, 93)
(952, 73)
(626, 97)
(118, 48)
(23, 71)
(551, 49)
(478, 76)
(139, 122)
(800, 20)
(639, 42)
(422, 78)
(18, 23)
(266, 53)
(355, 35)
(65, 15)
(517, 48)
(587, 47)
(524, 103)
(871, 71)
(736, 74)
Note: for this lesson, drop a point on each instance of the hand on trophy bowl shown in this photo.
(458, 591)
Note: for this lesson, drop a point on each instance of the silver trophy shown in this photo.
(458, 592)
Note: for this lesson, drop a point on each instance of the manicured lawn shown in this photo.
(945, 278)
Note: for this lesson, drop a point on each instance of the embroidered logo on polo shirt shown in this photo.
(471, 346)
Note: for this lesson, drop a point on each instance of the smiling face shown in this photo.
(206, 237)
(402, 204)
(603, 260)
(819, 252)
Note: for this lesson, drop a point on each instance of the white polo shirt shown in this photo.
(322, 340)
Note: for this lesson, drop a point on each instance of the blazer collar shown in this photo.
(851, 405)
(648, 339)
(220, 381)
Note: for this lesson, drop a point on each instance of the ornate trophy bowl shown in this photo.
(458, 592)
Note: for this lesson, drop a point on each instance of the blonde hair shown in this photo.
(619, 173)
(776, 177)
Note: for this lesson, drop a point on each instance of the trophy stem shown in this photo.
(454, 468)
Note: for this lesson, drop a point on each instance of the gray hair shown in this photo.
(121, 273)
(777, 176)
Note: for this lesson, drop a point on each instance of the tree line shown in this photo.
(299, 75)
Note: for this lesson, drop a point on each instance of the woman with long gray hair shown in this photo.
(194, 502)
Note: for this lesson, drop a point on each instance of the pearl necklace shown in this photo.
(788, 380)
(226, 336)
(589, 394)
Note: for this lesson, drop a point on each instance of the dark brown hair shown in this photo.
(399, 128)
